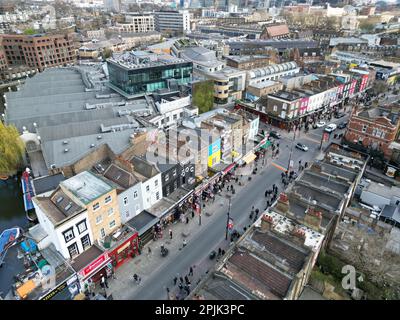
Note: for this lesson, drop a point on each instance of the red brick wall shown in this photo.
(355, 132)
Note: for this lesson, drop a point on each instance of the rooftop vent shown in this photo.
(99, 137)
(66, 150)
(65, 142)
(92, 145)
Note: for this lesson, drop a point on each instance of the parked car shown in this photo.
(301, 146)
(340, 115)
(342, 125)
(320, 124)
(330, 127)
(275, 135)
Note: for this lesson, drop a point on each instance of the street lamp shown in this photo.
(228, 217)
(291, 151)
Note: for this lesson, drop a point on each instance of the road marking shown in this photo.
(278, 166)
(313, 140)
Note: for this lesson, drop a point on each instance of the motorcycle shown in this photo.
(164, 251)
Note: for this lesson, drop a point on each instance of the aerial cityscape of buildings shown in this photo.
(199, 150)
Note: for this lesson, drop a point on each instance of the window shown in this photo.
(275, 108)
(99, 219)
(174, 172)
(156, 183)
(364, 128)
(126, 201)
(166, 178)
(96, 206)
(85, 242)
(73, 250)
(147, 188)
(68, 235)
(102, 233)
(81, 226)
(175, 116)
(112, 224)
(108, 199)
(135, 194)
(110, 211)
(157, 195)
(137, 208)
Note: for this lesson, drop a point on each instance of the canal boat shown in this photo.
(8, 238)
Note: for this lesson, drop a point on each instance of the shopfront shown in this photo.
(66, 290)
(92, 265)
(126, 249)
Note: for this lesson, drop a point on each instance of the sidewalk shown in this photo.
(144, 265)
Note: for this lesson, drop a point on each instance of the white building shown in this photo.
(172, 21)
(65, 223)
(129, 191)
(150, 177)
(171, 110)
(272, 72)
(136, 24)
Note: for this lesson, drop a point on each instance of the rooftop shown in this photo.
(58, 207)
(121, 177)
(86, 257)
(143, 59)
(47, 183)
(87, 187)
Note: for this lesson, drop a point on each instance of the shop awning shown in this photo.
(26, 289)
(249, 158)
(265, 145)
(229, 168)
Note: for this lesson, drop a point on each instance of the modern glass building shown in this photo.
(145, 75)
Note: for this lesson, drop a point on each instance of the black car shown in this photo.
(340, 115)
(342, 125)
(275, 135)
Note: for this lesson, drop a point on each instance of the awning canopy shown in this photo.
(26, 289)
(249, 158)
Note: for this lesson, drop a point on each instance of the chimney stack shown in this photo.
(267, 223)
(313, 218)
(298, 236)
(283, 203)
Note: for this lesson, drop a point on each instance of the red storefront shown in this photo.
(124, 247)
(92, 264)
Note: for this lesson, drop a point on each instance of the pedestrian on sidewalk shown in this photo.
(192, 214)
(187, 220)
(187, 279)
(104, 282)
(180, 279)
(170, 234)
(191, 271)
(175, 281)
(184, 243)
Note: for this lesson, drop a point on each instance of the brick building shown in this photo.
(280, 31)
(38, 51)
(249, 62)
(374, 128)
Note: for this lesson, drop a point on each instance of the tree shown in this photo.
(203, 95)
(11, 149)
(107, 53)
(29, 31)
(379, 87)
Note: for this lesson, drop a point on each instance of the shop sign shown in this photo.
(53, 292)
(95, 264)
(126, 245)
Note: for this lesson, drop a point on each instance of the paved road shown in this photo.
(204, 242)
